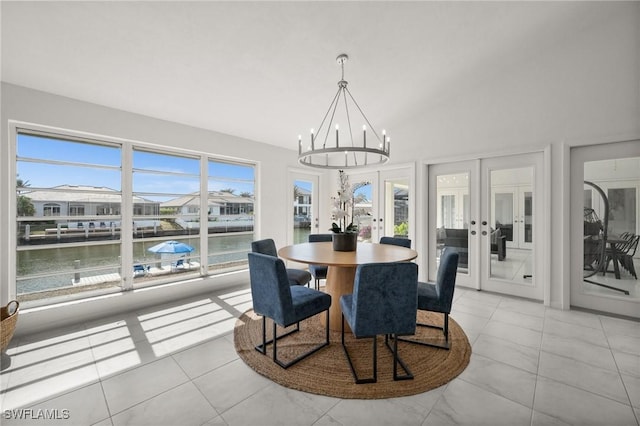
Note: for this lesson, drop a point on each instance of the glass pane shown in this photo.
(511, 233)
(230, 210)
(453, 216)
(42, 147)
(612, 269)
(362, 209)
(396, 208)
(166, 207)
(302, 210)
(75, 202)
(49, 272)
(528, 217)
(228, 251)
(167, 163)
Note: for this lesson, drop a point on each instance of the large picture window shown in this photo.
(70, 211)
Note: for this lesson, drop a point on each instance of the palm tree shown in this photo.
(24, 205)
(228, 190)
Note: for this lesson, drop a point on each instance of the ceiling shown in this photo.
(266, 71)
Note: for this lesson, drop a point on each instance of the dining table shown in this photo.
(342, 266)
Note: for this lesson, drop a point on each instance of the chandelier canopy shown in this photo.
(350, 151)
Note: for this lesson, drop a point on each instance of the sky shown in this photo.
(159, 176)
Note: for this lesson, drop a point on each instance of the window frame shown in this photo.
(125, 210)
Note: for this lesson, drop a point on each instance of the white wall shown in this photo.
(23, 104)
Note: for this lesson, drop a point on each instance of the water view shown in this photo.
(56, 267)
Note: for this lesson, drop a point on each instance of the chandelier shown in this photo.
(349, 151)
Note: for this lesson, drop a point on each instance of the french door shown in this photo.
(491, 211)
(383, 203)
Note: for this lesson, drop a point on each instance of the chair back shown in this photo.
(402, 242)
(320, 238)
(270, 289)
(633, 246)
(446, 279)
(267, 246)
(385, 299)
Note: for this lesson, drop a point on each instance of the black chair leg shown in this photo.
(397, 360)
(358, 380)
(445, 331)
(263, 347)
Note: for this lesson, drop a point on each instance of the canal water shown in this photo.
(59, 264)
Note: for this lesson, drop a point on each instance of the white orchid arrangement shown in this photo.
(341, 205)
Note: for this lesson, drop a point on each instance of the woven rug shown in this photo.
(327, 371)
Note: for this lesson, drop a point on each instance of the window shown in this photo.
(50, 209)
(166, 199)
(61, 249)
(76, 210)
(230, 220)
(70, 209)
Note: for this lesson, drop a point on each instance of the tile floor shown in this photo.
(176, 365)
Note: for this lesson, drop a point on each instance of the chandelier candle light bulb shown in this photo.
(364, 135)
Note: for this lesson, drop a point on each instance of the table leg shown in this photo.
(339, 282)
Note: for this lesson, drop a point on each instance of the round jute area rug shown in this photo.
(327, 371)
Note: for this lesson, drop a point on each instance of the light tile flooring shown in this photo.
(176, 365)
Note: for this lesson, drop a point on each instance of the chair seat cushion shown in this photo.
(308, 302)
(428, 299)
(298, 276)
(319, 271)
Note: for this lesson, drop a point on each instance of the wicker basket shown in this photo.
(9, 315)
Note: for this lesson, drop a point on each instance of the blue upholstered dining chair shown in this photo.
(268, 247)
(384, 301)
(438, 296)
(273, 297)
(403, 242)
(319, 272)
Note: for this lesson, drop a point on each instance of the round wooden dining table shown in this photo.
(342, 266)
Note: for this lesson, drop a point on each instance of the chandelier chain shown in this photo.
(327, 113)
(363, 115)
